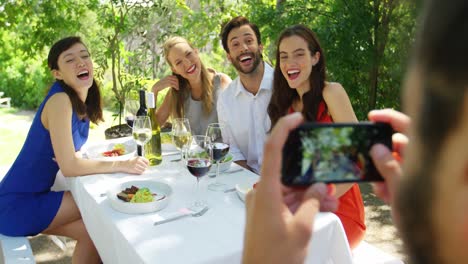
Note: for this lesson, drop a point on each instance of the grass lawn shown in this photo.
(14, 127)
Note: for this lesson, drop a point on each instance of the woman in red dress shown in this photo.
(299, 86)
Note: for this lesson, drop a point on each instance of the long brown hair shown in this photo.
(283, 96)
(92, 107)
(178, 97)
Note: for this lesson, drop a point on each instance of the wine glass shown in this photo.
(198, 161)
(181, 133)
(130, 110)
(142, 131)
(219, 150)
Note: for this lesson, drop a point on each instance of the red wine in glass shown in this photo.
(198, 167)
(220, 150)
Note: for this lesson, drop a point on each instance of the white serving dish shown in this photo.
(157, 187)
(95, 151)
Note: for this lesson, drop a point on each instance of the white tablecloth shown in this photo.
(216, 237)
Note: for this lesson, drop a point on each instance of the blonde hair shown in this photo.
(178, 97)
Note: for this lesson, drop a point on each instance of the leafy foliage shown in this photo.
(365, 42)
(28, 27)
(349, 32)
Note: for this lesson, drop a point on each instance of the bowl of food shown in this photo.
(112, 151)
(224, 164)
(139, 196)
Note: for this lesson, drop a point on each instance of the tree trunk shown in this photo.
(114, 75)
(381, 31)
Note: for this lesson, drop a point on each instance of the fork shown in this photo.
(211, 175)
(183, 213)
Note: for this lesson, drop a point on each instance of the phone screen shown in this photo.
(333, 153)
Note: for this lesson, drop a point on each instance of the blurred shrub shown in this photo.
(26, 81)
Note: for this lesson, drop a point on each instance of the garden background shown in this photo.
(366, 44)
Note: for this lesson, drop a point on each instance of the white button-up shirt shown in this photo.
(246, 118)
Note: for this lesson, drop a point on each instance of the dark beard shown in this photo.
(256, 57)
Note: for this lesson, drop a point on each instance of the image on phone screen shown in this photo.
(332, 153)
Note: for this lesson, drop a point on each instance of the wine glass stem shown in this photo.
(143, 150)
(217, 172)
(197, 192)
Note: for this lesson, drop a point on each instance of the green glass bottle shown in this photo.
(153, 147)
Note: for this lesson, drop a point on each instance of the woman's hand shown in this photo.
(136, 165)
(280, 221)
(168, 81)
(388, 163)
(163, 111)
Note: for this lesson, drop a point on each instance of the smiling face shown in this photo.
(296, 62)
(75, 68)
(244, 52)
(184, 60)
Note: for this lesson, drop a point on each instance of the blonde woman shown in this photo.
(194, 90)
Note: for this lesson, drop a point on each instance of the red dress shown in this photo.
(351, 207)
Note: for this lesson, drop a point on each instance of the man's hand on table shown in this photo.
(279, 220)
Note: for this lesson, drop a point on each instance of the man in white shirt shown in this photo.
(242, 106)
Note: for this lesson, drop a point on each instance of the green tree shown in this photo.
(365, 42)
(27, 29)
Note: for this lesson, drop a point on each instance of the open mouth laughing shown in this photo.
(245, 59)
(83, 75)
(293, 74)
(191, 69)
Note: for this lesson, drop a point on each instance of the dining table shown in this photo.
(215, 237)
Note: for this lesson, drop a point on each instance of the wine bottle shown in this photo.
(142, 111)
(153, 147)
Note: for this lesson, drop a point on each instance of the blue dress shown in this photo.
(27, 205)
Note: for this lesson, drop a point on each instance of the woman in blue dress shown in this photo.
(59, 129)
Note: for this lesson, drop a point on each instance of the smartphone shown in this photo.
(333, 153)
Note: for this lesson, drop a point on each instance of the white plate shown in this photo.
(95, 151)
(159, 188)
(243, 188)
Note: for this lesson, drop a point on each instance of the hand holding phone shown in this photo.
(333, 153)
